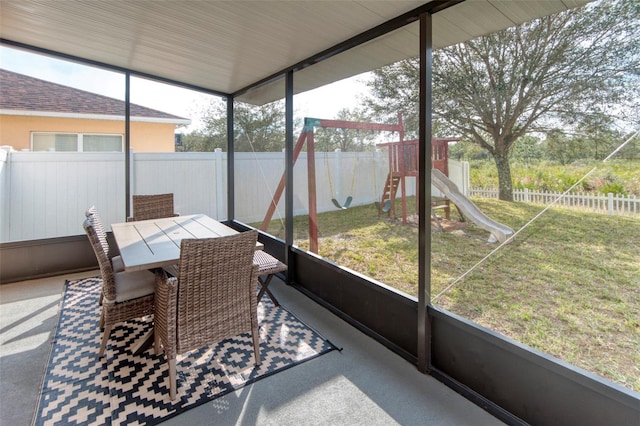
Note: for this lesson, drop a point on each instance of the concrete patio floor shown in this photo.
(364, 384)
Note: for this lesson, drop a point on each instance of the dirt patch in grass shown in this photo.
(438, 223)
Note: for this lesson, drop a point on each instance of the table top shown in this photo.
(155, 243)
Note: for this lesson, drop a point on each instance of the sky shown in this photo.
(321, 103)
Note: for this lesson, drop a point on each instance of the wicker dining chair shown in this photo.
(268, 266)
(154, 206)
(126, 295)
(116, 261)
(211, 299)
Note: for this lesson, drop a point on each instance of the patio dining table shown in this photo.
(155, 243)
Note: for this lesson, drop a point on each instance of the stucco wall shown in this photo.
(145, 137)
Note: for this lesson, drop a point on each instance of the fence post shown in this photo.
(374, 178)
(338, 181)
(132, 181)
(466, 180)
(220, 207)
(5, 196)
(610, 198)
(379, 176)
(526, 195)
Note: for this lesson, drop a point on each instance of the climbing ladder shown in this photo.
(389, 192)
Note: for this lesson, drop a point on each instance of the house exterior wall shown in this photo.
(16, 131)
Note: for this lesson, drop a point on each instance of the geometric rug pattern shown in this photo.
(122, 388)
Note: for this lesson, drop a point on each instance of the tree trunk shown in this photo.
(504, 177)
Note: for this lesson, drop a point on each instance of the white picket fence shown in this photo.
(45, 194)
(610, 204)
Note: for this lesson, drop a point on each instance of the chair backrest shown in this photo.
(152, 206)
(106, 270)
(216, 289)
(99, 228)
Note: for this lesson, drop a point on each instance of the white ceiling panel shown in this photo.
(225, 46)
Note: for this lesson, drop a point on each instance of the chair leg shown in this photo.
(172, 378)
(256, 344)
(105, 337)
(102, 320)
(264, 287)
(156, 343)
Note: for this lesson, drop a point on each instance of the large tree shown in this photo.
(257, 128)
(546, 73)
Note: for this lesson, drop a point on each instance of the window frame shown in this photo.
(80, 140)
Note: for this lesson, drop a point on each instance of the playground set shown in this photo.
(403, 163)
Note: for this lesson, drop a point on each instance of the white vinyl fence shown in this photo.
(610, 204)
(45, 194)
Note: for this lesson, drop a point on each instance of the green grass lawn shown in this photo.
(568, 285)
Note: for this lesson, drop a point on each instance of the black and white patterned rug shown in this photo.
(121, 388)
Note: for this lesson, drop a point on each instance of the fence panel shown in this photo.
(45, 194)
(193, 178)
(258, 176)
(48, 193)
(610, 204)
(459, 173)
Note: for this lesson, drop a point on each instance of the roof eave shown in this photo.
(51, 114)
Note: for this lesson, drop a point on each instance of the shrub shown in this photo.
(618, 177)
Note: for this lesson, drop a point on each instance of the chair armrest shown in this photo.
(255, 272)
(166, 306)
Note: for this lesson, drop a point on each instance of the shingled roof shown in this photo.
(23, 94)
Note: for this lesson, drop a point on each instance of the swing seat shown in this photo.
(385, 208)
(344, 206)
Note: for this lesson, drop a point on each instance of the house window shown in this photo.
(101, 143)
(76, 142)
(54, 142)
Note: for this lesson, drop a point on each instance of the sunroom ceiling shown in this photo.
(225, 46)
